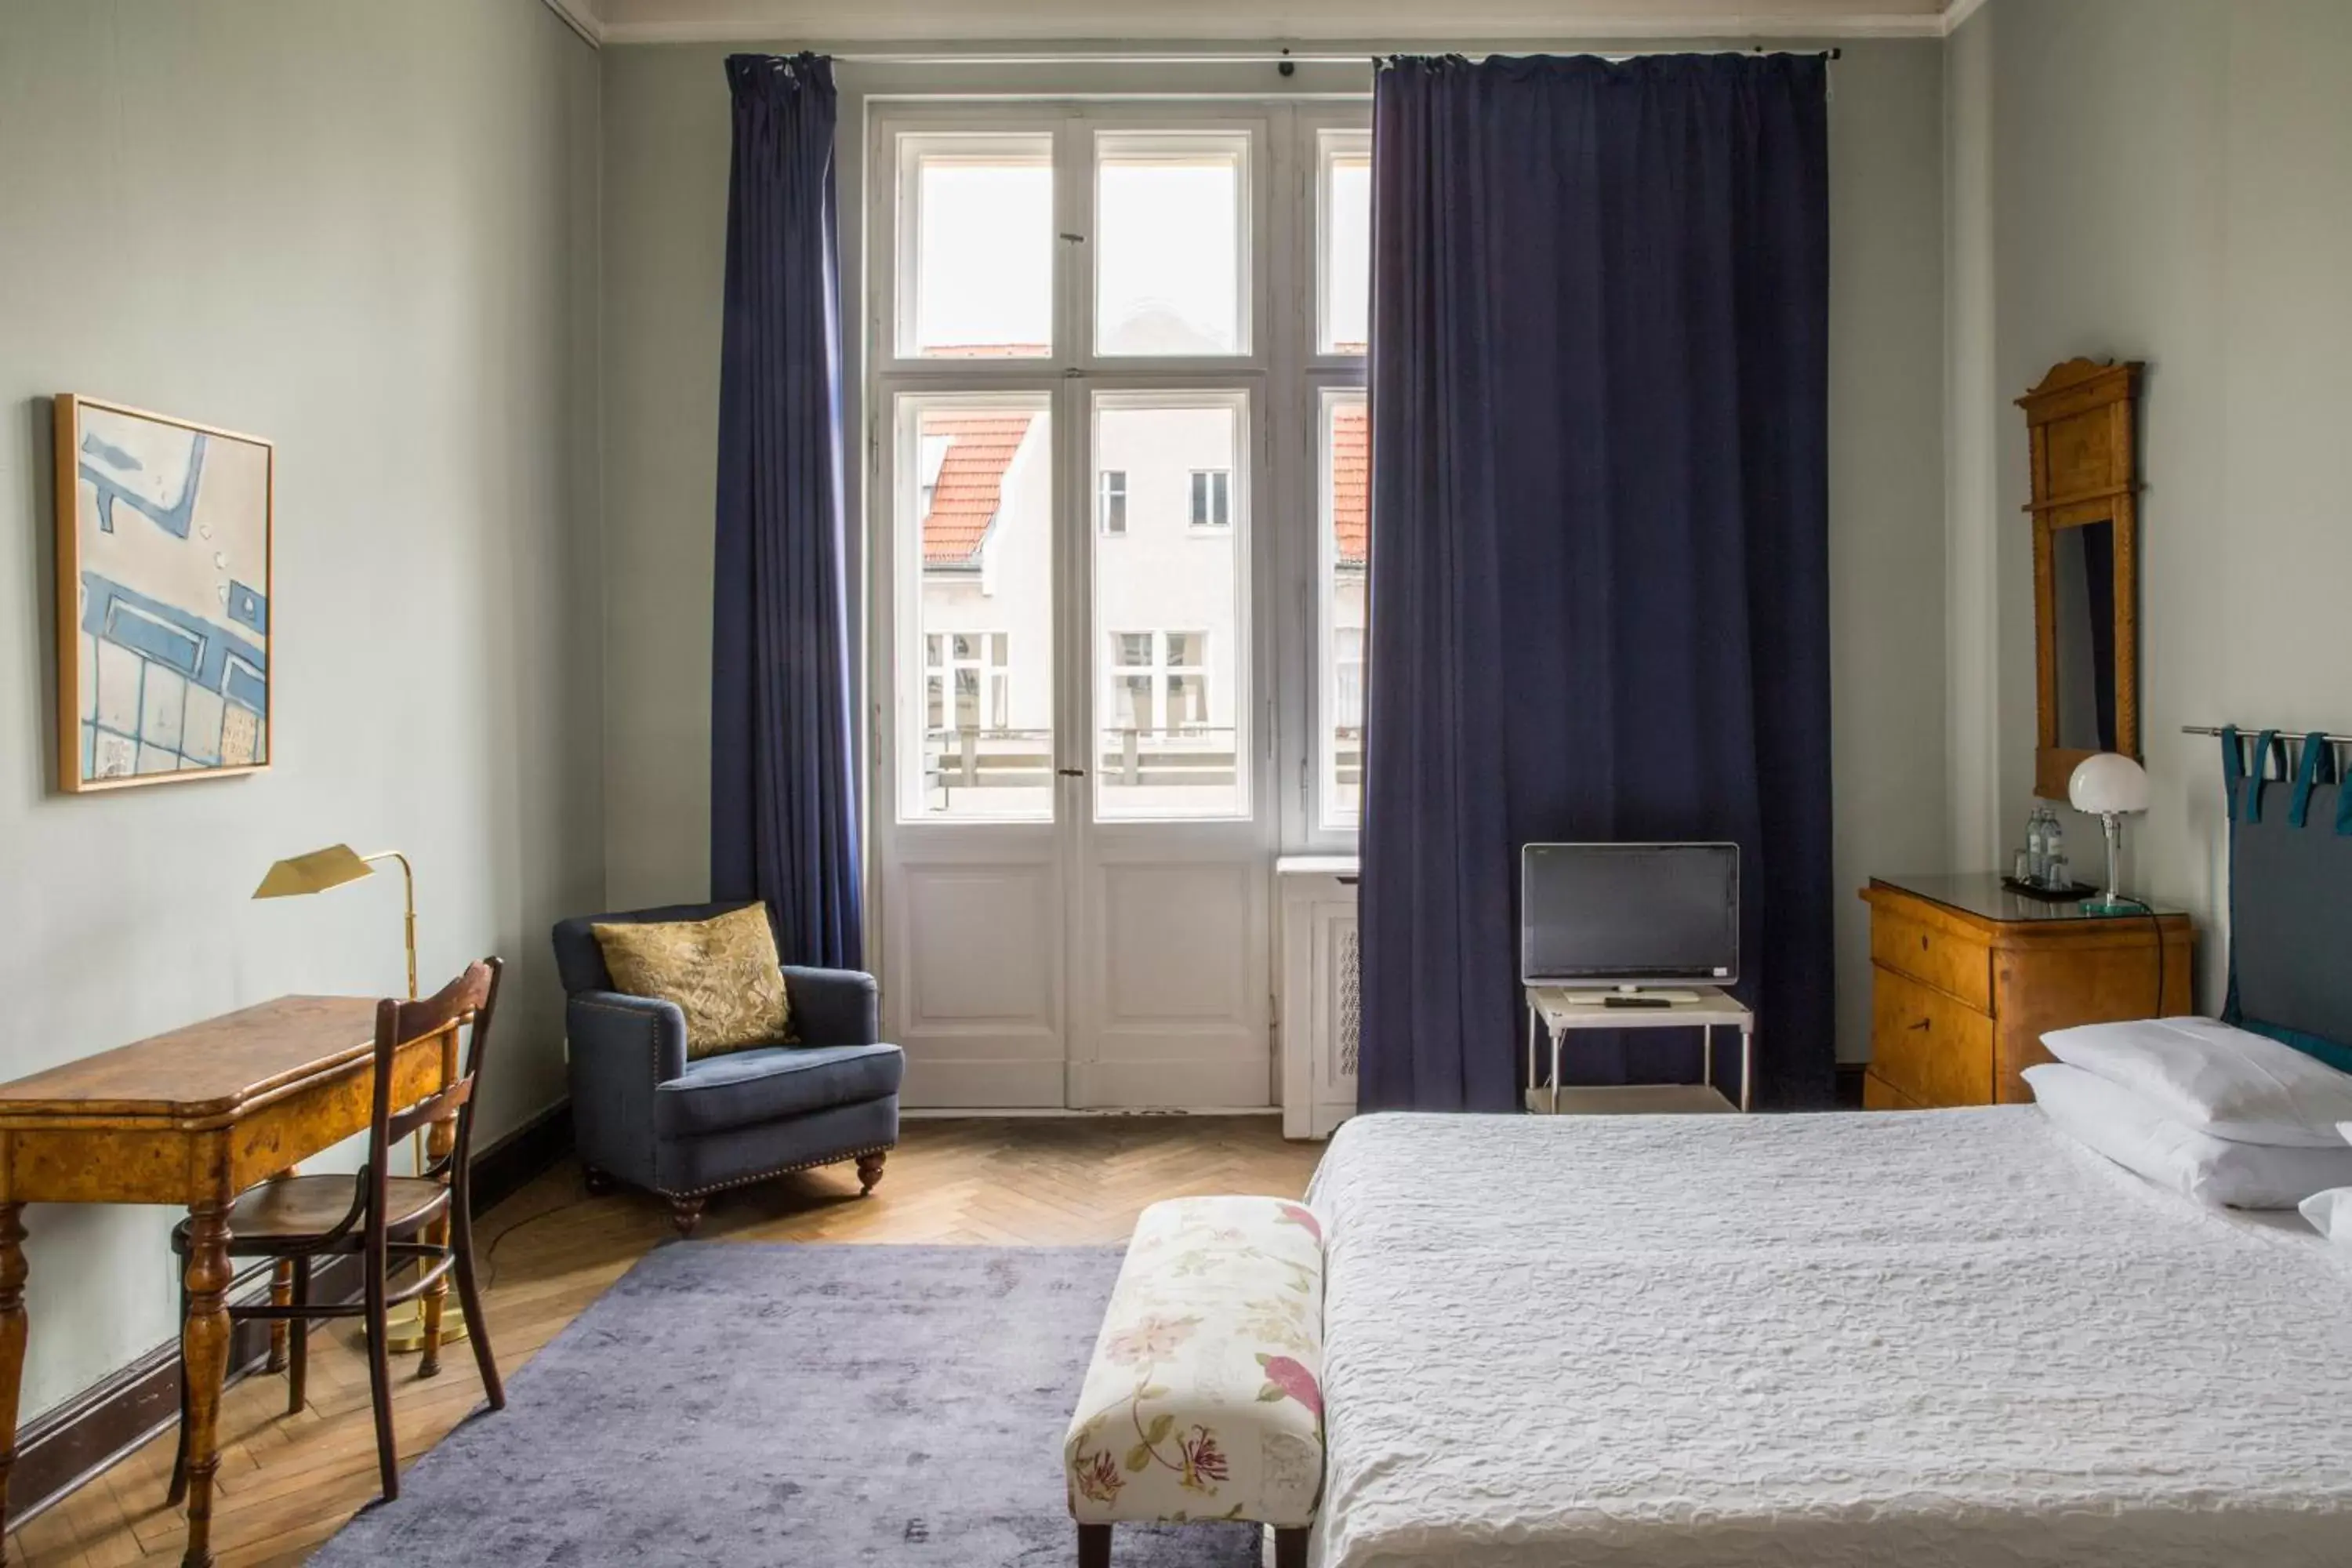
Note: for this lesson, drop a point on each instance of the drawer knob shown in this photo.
(1923, 944)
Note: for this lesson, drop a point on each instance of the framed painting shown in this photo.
(163, 597)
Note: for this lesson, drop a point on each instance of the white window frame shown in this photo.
(1284, 370)
(902, 705)
(1311, 822)
(1144, 144)
(1110, 486)
(1159, 671)
(977, 143)
(1209, 501)
(1330, 816)
(1332, 144)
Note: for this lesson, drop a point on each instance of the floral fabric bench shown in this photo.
(1205, 1397)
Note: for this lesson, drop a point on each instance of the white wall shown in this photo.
(2169, 181)
(366, 232)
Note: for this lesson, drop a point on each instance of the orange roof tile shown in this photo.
(1351, 479)
(970, 487)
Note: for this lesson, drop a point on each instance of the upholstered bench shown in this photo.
(1205, 1397)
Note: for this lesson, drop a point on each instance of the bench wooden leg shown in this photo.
(1094, 1546)
(1290, 1548)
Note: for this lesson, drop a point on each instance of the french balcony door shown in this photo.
(1082, 406)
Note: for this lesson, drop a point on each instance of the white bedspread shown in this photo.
(1943, 1340)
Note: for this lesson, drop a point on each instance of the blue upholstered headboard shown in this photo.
(2290, 893)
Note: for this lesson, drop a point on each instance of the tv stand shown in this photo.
(1630, 996)
(1554, 1011)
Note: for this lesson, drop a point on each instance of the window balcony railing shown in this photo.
(1129, 756)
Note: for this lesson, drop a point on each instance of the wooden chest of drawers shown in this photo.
(1966, 977)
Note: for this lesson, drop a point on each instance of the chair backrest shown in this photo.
(467, 1002)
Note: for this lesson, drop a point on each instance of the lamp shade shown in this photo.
(2107, 783)
(314, 873)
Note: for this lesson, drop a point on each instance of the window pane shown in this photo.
(1346, 536)
(1169, 255)
(975, 563)
(1345, 209)
(1211, 498)
(1131, 702)
(1186, 753)
(977, 218)
(1113, 493)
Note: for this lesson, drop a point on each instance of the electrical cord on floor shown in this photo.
(491, 1253)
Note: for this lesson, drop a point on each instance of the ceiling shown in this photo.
(1377, 21)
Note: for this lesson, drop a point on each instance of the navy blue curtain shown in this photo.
(1599, 537)
(784, 801)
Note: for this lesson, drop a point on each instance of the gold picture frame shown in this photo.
(165, 641)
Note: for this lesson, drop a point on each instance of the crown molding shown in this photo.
(578, 15)
(1012, 24)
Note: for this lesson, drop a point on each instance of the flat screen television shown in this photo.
(1629, 916)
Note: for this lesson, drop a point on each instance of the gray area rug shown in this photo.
(753, 1404)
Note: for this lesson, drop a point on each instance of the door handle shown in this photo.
(1071, 772)
(1922, 1024)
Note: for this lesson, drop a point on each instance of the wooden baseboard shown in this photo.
(520, 1158)
(60, 1449)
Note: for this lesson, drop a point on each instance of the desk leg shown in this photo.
(204, 1355)
(1747, 1059)
(12, 1347)
(282, 1294)
(1706, 1061)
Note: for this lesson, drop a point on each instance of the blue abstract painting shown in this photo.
(166, 547)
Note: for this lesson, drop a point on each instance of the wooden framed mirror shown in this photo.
(2082, 423)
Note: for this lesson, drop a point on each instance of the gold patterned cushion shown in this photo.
(723, 973)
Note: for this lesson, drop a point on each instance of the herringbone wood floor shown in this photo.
(286, 1482)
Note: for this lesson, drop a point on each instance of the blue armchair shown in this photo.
(643, 1113)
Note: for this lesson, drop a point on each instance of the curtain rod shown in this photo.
(1246, 56)
(2245, 733)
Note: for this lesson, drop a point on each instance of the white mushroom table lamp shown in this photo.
(2107, 786)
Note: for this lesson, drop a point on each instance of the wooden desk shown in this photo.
(191, 1118)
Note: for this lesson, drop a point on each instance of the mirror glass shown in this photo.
(2082, 575)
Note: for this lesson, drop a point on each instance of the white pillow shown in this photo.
(2229, 1083)
(2136, 1134)
(2330, 1213)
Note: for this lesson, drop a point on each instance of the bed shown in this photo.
(1948, 1340)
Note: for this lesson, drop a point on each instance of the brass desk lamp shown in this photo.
(315, 873)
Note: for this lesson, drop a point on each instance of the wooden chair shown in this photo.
(386, 1220)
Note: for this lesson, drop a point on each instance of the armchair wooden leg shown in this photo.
(686, 1214)
(1094, 1546)
(869, 1171)
(1290, 1548)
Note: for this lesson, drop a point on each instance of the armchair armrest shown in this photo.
(620, 1033)
(834, 1006)
(622, 1048)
